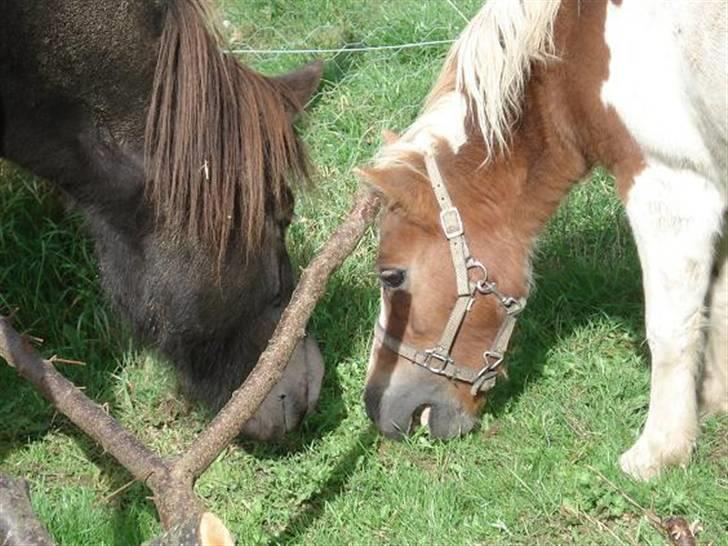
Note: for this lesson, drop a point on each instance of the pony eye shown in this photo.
(392, 278)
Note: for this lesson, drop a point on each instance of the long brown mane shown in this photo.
(219, 141)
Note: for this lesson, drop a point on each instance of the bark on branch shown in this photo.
(172, 480)
(196, 531)
(70, 401)
(18, 524)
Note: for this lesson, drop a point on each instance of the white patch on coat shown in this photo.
(667, 86)
(667, 72)
(493, 57)
(492, 61)
(443, 121)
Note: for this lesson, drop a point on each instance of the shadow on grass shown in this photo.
(570, 294)
(126, 501)
(332, 488)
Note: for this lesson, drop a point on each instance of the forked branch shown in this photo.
(172, 480)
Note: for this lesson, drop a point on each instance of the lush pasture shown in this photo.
(541, 468)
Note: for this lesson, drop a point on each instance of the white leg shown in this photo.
(675, 216)
(714, 390)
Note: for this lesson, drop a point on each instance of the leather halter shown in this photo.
(437, 359)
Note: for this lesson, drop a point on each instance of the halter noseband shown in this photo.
(437, 359)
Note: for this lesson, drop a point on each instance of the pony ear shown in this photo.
(301, 84)
(402, 187)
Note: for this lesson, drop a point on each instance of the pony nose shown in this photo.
(394, 407)
(292, 398)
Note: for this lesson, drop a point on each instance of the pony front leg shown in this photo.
(675, 216)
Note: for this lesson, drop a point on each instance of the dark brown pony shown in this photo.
(179, 158)
(532, 96)
(203, 180)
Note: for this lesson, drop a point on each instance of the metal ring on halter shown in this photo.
(472, 263)
(485, 287)
(513, 306)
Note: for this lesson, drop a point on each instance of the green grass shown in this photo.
(532, 473)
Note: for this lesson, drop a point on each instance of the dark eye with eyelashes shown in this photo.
(392, 278)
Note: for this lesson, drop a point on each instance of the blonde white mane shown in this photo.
(493, 57)
(485, 72)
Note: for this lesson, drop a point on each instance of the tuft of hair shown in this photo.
(219, 141)
(490, 63)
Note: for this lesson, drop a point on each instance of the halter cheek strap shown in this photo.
(437, 359)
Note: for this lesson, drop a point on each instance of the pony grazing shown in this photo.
(179, 158)
(532, 95)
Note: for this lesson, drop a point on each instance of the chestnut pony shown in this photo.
(532, 95)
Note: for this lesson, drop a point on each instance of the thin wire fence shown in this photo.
(348, 48)
(380, 64)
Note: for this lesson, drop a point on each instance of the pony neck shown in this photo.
(542, 163)
(514, 195)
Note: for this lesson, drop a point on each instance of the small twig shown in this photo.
(653, 518)
(55, 359)
(666, 527)
(118, 491)
(595, 522)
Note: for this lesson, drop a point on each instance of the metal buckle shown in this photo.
(444, 360)
(485, 287)
(451, 222)
(490, 366)
(484, 381)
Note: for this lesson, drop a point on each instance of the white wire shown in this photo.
(343, 49)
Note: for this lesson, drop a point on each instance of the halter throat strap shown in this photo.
(437, 359)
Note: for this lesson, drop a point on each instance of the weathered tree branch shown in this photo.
(172, 480)
(174, 498)
(70, 401)
(18, 524)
